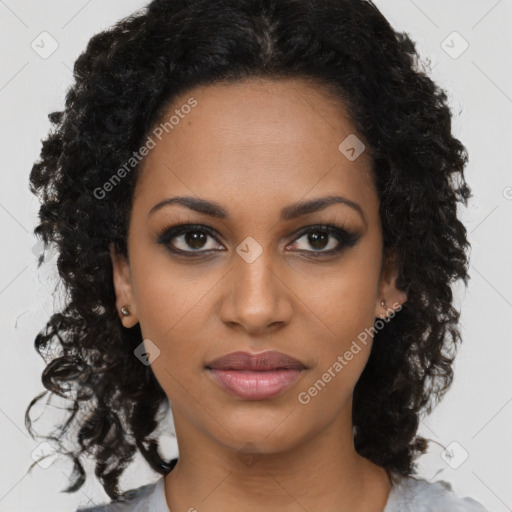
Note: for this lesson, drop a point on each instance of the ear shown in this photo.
(393, 297)
(123, 287)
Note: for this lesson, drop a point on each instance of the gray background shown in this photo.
(473, 418)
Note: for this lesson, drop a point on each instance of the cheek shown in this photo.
(168, 295)
(344, 297)
(351, 305)
(345, 306)
(172, 306)
(342, 354)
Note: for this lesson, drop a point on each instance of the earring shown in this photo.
(383, 304)
(125, 311)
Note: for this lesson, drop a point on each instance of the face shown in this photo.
(255, 272)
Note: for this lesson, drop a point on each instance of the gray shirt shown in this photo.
(410, 494)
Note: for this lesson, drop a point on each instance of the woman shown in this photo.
(254, 204)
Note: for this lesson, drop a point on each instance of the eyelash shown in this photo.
(345, 238)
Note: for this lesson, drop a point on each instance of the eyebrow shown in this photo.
(289, 212)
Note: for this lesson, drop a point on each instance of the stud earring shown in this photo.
(125, 311)
(382, 302)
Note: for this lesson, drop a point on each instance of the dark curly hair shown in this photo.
(123, 84)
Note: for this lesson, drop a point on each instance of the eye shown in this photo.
(188, 238)
(324, 239)
(317, 240)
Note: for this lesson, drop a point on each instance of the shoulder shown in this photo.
(135, 500)
(410, 494)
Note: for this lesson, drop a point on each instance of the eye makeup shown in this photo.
(330, 230)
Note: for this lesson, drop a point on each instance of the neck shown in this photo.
(325, 473)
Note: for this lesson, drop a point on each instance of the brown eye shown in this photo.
(324, 240)
(194, 239)
(188, 238)
(319, 240)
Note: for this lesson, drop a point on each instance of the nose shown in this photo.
(256, 298)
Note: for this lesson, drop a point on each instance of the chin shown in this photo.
(261, 431)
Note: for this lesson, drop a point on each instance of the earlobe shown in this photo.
(125, 303)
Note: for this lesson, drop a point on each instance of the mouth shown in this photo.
(255, 376)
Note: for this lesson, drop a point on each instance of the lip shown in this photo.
(269, 360)
(255, 376)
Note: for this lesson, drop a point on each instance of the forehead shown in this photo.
(251, 139)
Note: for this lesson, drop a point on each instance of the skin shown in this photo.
(256, 147)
